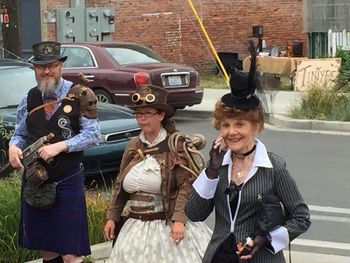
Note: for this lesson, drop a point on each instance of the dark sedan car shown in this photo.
(117, 67)
(117, 123)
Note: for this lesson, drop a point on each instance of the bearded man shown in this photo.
(59, 229)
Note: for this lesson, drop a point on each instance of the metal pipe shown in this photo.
(209, 41)
(77, 3)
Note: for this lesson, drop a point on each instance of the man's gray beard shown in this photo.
(48, 87)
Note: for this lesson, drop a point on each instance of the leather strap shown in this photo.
(148, 216)
(142, 208)
(138, 197)
(48, 104)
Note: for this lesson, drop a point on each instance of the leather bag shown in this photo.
(271, 212)
(40, 197)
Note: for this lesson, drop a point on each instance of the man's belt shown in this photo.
(148, 216)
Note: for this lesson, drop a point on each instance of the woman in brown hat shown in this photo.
(157, 186)
(240, 174)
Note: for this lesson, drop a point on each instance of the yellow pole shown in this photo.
(209, 41)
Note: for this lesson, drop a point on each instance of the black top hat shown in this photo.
(243, 85)
(150, 96)
(47, 52)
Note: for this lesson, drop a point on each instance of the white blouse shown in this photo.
(144, 176)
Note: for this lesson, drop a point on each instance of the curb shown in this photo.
(100, 253)
(282, 121)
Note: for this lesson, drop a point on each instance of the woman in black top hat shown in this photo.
(241, 170)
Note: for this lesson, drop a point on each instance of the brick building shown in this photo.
(170, 28)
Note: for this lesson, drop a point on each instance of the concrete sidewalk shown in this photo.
(279, 104)
(102, 251)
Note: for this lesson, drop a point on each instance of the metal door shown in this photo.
(31, 26)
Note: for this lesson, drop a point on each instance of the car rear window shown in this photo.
(133, 55)
(15, 81)
(78, 57)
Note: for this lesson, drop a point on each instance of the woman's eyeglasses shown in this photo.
(138, 99)
(147, 114)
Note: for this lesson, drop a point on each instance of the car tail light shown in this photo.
(141, 78)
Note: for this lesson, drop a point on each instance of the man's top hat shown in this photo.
(150, 96)
(243, 85)
(47, 52)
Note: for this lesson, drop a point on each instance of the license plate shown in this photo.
(174, 80)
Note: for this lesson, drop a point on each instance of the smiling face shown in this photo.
(239, 135)
(238, 128)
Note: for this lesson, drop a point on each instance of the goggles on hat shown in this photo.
(138, 99)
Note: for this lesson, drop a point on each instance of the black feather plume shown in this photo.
(252, 71)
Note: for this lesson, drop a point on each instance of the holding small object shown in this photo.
(246, 247)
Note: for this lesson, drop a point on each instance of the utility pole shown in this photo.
(11, 27)
(1, 42)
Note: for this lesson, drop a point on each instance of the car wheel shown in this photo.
(103, 96)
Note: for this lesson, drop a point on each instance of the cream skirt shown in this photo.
(150, 242)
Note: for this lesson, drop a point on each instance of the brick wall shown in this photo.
(170, 28)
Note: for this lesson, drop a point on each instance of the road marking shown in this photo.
(338, 219)
(329, 209)
(323, 244)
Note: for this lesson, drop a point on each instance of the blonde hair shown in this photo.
(255, 115)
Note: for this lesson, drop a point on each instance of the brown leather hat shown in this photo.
(150, 96)
(47, 52)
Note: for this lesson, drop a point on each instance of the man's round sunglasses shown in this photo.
(138, 99)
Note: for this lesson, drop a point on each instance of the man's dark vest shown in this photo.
(64, 123)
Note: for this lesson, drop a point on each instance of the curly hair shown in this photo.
(255, 115)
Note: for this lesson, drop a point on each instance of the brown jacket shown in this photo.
(176, 182)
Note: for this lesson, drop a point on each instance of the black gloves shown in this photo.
(216, 156)
(260, 242)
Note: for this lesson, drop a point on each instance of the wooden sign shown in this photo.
(319, 72)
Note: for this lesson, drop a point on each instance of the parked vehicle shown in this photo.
(117, 123)
(113, 66)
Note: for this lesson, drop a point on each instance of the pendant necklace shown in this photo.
(239, 176)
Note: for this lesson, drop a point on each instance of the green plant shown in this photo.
(10, 252)
(9, 220)
(97, 203)
(213, 81)
(343, 80)
(322, 103)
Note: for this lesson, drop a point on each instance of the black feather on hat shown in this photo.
(243, 85)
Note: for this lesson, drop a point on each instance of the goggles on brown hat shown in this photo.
(147, 98)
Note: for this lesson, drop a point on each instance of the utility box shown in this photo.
(107, 24)
(69, 24)
(93, 24)
(99, 24)
(85, 24)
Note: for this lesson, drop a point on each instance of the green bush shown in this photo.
(212, 81)
(322, 103)
(10, 252)
(9, 221)
(343, 80)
